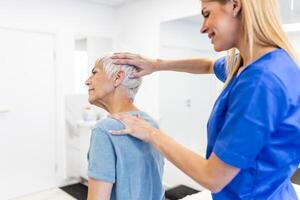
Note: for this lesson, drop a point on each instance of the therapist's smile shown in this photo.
(211, 36)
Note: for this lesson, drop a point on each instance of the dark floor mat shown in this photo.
(78, 191)
(179, 192)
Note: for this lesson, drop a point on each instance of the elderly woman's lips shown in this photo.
(210, 35)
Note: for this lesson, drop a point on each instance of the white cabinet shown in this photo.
(79, 123)
(77, 150)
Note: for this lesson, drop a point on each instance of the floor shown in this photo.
(57, 194)
(52, 194)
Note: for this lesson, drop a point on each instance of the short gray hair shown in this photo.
(132, 85)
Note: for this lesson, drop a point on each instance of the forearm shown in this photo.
(186, 160)
(213, 173)
(195, 66)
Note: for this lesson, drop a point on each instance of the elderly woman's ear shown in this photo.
(118, 78)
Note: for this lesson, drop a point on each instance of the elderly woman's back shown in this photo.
(120, 167)
(133, 166)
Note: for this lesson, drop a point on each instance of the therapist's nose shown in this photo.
(203, 28)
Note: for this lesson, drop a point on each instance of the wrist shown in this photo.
(152, 135)
(157, 65)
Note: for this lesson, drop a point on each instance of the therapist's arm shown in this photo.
(213, 173)
(148, 65)
(194, 66)
(99, 190)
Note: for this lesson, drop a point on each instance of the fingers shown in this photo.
(126, 61)
(138, 74)
(124, 55)
(120, 117)
(139, 116)
(120, 132)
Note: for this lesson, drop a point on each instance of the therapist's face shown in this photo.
(100, 87)
(221, 23)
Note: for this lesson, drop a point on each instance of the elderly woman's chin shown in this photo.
(97, 102)
(92, 99)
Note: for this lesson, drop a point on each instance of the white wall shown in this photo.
(64, 19)
(186, 34)
(295, 40)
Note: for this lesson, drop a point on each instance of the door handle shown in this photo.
(4, 111)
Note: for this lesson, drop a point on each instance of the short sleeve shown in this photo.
(256, 107)
(220, 69)
(101, 157)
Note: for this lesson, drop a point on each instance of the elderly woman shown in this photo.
(120, 167)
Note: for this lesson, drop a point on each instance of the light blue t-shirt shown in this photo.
(255, 126)
(134, 167)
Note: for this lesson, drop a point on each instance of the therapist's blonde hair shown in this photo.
(261, 23)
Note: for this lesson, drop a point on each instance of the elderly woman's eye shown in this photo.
(206, 14)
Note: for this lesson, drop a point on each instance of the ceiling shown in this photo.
(110, 2)
(290, 12)
(290, 9)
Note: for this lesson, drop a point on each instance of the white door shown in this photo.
(185, 103)
(27, 112)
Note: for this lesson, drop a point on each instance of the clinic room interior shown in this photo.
(48, 50)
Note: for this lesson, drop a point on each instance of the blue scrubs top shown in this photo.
(255, 126)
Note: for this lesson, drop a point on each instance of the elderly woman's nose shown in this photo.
(87, 82)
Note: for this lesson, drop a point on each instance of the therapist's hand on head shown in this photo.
(134, 126)
(145, 65)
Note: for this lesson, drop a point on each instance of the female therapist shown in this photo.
(254, 128)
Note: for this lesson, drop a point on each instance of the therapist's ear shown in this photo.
(118, 78)
(236, 7)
